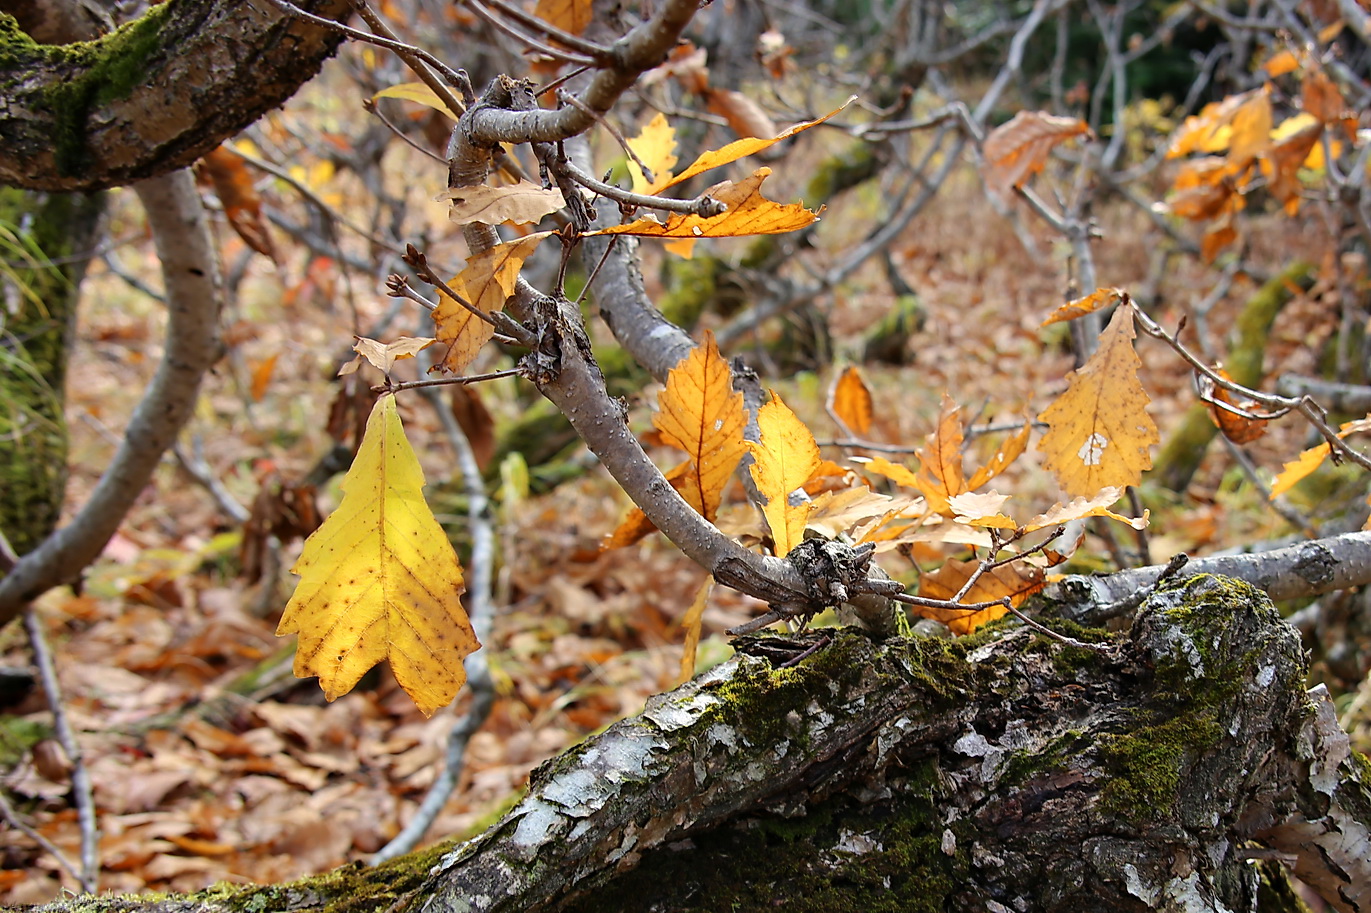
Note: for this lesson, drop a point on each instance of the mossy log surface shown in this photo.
(1004, 772)
(152, 96)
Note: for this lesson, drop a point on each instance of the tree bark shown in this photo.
(1006, 772)
(152, 96)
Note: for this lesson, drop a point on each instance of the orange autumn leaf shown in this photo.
(1208, 131)
(1080, 508)
(744, 147)
(1311, 459)
(487, 282)
(1291, 145)
(1100, 298)
(692, 623)
(1320, 97)
(1018, 149)
(261, 376)
(940, 473)
(568, 15)
(1005, 455)
(1099, 431)
(1280, 63)
(745, 117)
(1251, 130)
(895, 472)
(1237, 428)
(784, 459)
(748, 213)
(1016, 581)
(703, 415)
(850, 401)
(234, 187)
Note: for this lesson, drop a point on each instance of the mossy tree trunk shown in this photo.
(1006, 773)
(49, 237)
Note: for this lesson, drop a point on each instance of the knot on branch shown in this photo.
(833, 570)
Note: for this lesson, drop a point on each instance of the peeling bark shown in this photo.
(152, 96)
(1009, 773)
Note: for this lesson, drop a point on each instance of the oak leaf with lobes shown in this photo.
(379, 580)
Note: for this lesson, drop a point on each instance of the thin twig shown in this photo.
(398, 286)
(570, 99)
(370, 106)
(416, 60)
(528, 40)
(447, 381)
(561, 36)
(10, 814)
(1055, 635)
(194, 465)
(704, 206)
(83, 793)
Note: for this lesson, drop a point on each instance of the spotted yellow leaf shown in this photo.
(379, 580)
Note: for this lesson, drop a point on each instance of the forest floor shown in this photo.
(196, 785)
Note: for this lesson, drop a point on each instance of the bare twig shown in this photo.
(527, 40)
(83, 793)
(704, 206)
(430, 382)
(16, 820)
(194, 465)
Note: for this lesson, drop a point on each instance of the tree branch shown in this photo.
(191, 276)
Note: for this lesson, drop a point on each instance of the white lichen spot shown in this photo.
(1190, 896)
(678, 714)
(1092, 451)
(1266, 675)
(949, 844)
(535, 824)
(1133, 883)
(973, 745)
(855, 844)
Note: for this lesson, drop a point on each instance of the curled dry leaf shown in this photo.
(520, 203)
(234, 186)
(568, 15)
(384, 355)
(1099, 432)
(1017, 150)
(418, 93)
(1080, 508)
(1100, 298)
(1240, 429)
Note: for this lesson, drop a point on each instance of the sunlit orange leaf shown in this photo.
(940, 473)
(850, 401)
(1007, 453)
(1099, 431)
(379, 580)
(783, 462)
(1202, 189)
(692, 622)
(261, 376)
(745, 117)
(1237, 428)
(1218, 236)
(1015, 581)
(384, 355)
(1079, 508)
(748, 213)
(234, 186)
(418, 93)
(1296, 470)
(1310, 460)
(1251, 130)
(745, 147)
(895, 472)
(487, 282)
(1208, 131)
(568, 15)
(1321, 98)
(703, 415)
(1091, 303)
(1291, 144)
(828, 476)
(681, 247)
(1017, 150)
(656, 147)
(1280, 63)
(519, 203)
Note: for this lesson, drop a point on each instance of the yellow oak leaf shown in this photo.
(741, 148)
(418, 93)
(1007, 453)
(703, 415)
(379, 580)
(1017, 581)
(783, 462)
(895, 472)
(748, 213)
(980, 509)
(850, 401)
(486, 283)
(1308, 461)
(520, 203)
(1097, 299)
(940, 462)
(1099, 431)
(656, 147)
